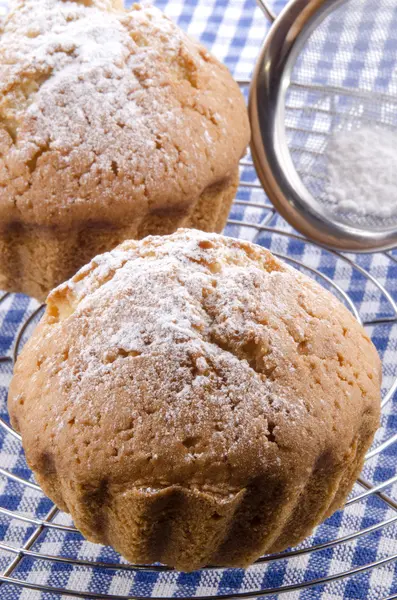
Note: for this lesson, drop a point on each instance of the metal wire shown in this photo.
(27, 550)
(267, 10)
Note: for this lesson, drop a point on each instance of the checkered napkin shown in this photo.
(233, 30)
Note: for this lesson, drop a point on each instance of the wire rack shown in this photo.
(39, 546)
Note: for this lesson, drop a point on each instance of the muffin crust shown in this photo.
(113, 125)
(193, 400)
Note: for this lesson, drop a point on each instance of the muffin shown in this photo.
(193, 400)
(113, 125)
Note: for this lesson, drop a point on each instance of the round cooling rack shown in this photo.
(41, 551)
(352, 555)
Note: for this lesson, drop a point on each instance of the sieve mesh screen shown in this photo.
(341, 113)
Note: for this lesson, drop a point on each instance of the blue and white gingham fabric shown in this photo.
(233, 30)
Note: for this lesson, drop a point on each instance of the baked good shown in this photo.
(113, 125)
(193, 400)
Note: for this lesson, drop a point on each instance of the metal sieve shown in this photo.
(325, 83)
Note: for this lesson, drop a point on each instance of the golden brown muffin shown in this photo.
(113, 125)
(192, 400)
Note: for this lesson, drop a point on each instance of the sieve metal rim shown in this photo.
(269, 148)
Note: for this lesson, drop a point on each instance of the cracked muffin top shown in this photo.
(192, 359)
(107, 114)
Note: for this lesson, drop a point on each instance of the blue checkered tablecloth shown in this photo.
(234, 31)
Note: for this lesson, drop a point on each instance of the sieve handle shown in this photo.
(267, 10)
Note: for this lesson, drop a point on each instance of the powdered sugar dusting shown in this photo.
(362, 171)
(102, 100)
(58, 46)
(176, 298)
(183, 303)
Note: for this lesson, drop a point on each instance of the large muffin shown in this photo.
(192, 400)
(113, 125)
